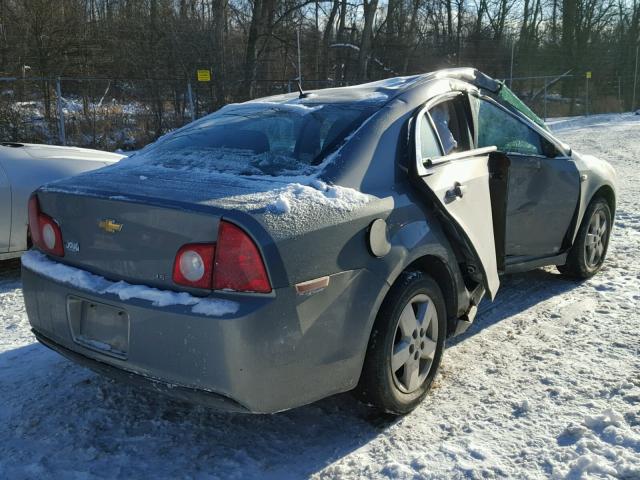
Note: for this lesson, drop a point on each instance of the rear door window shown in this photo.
(429, 145)
(451, 123)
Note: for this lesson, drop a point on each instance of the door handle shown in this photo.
(457, 191)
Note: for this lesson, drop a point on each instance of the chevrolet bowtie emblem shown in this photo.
(110, 226)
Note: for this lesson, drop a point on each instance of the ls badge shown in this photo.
(73, 247)
(110, 226)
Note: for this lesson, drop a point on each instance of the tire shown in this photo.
(585, 258)
(422, 343)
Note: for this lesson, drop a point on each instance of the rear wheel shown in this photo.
(406, 345)
(590, 247)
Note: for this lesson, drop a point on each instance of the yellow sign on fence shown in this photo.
(588, 74)
(204, 75)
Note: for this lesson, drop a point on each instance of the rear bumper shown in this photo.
(210, 399)
(276, 352)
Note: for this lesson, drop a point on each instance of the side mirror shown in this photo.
(567, 149)
(549, 149)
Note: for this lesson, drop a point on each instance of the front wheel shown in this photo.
(406, 345)
(589, 250)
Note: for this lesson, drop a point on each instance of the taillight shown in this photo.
(234, 263)
(34, 226)
(45, 232)
(238, 264)
(193, 265)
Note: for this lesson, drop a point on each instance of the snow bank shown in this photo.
(75, 277)
(604, 444)
(572, 124)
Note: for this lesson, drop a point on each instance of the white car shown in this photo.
(23, 168)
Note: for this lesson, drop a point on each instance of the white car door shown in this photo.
(5, 211)
(457, 181)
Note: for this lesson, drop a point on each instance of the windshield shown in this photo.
(260, 138)
(506, 95)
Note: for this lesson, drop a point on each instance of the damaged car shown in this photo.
(286, 249)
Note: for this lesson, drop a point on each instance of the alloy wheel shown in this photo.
(596, 241)
(415, 342)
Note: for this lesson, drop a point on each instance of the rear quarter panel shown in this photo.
(338, 245)
(341, 250)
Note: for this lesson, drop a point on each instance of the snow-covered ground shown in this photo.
(545, 384)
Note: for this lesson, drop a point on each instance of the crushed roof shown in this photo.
(381, 91)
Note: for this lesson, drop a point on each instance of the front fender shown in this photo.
(594, 174)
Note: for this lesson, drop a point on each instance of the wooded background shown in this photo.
(146, 51)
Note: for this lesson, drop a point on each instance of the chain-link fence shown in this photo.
(127, 114)
(110, 114)
(91, 112)
(570, 95)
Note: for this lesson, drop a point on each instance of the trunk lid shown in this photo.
(125, 240)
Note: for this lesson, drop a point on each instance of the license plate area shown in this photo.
(99, 327)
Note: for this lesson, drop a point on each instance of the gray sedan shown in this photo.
(289, 248)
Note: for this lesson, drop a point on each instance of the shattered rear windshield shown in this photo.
(259, 138)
